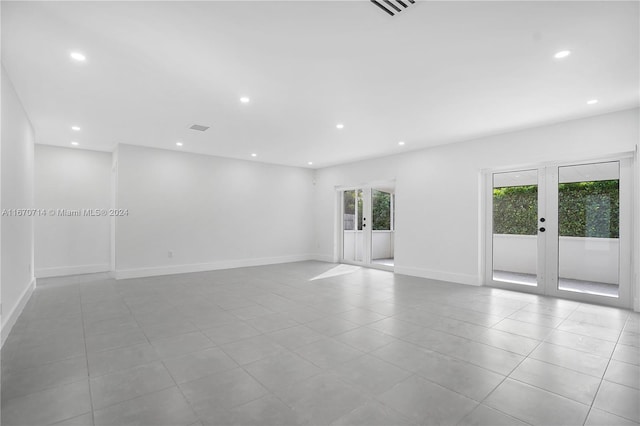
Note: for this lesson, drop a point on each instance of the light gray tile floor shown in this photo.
(273, 346)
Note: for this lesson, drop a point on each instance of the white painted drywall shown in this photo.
(18, 139)
(437, 189)
(210, 212)
(74, 179)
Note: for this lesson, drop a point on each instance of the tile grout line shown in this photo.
(86, 354)
(330, 293)
(511, 372)
(604, 373)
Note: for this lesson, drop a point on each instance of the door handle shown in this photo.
(542, 229)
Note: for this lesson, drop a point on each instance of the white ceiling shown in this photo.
(436, 73)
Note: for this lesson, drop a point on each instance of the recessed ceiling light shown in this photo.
(179, 143)
(401, 143)
(310, 163)
(77, 56)
(254, 155)
(74, 143)
(339, 126)
(245, 100)
(592, 102)
(75, 128)
(562, 54)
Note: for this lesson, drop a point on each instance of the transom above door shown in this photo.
(562, 230)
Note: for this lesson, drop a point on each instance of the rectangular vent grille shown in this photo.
(199, 127)
(392, 7)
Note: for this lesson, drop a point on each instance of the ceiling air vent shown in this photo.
(199, 127)
(393, 6)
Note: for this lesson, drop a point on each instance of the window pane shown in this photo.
(352, 248)
(360, 206)
(381, 210)
(349, 217)
(589, 218)
(515, 227)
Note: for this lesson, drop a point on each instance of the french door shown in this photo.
(562, 230)
(368, 215)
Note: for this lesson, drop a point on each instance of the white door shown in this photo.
(356, 235)
(367, 220)
(562, 230)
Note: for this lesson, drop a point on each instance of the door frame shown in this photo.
(547, 265)
(368, 234)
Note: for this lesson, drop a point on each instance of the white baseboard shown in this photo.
(16, 311)
(63, 271)
(438, 275)
(202, 267)
(323, 258)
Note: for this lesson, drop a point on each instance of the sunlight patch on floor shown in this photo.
(336, 271)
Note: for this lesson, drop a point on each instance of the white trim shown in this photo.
(372, 184)
(457, 278)
(323, 258)
(483, 177)
(635, 225)
(338, 223)
(552, 163)
(61, 271)
(114, 205)
(212, 266)
(17, 310)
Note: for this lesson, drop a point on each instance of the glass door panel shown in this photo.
(382, 237)
(562, 230)
(352, 234)
(589, 228)
(367, 216)
(515, 228)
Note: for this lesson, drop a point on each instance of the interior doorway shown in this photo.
(368, 226)
(562, 230)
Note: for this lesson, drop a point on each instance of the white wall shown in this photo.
(588, 259)
(67, 178)
(438, 189)
(210, 212)
(16, 276)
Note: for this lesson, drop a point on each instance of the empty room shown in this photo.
(274, 213)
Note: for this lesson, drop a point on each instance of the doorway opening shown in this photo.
(562, 230)
(368, 226)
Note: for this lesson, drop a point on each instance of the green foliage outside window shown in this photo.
(586, 209)
(515, 210)
(381, 210)
(590, 209)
